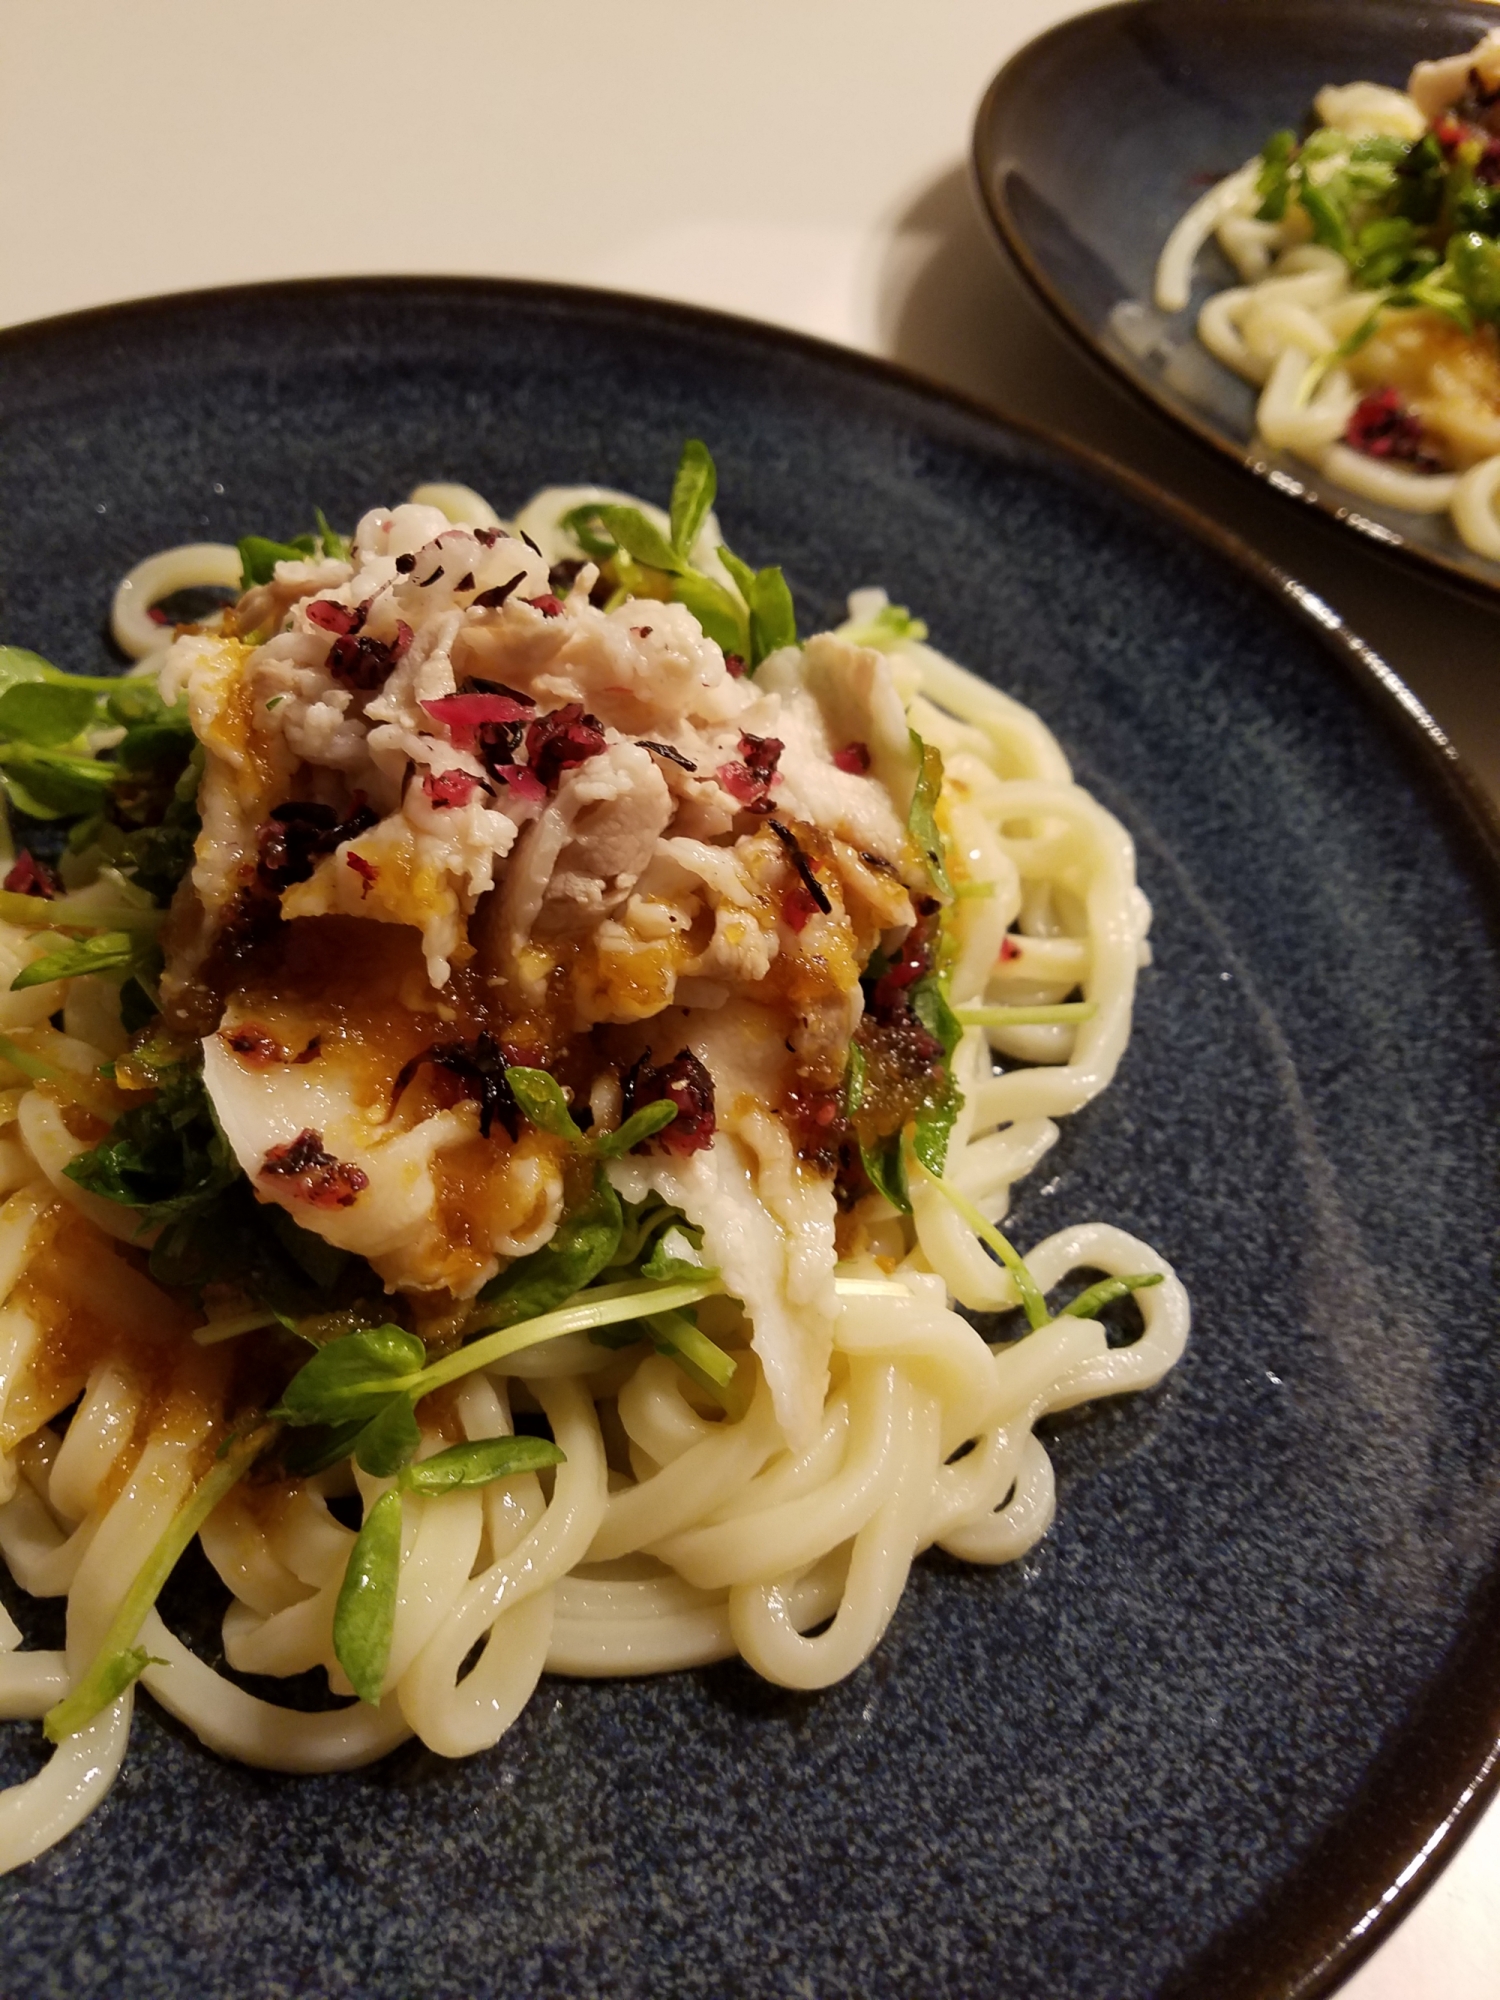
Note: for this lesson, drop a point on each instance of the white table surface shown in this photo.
(803, 161)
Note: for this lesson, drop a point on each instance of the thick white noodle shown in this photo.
(192, 567)
(1378, 479)
(1174, 269)
(1474, 507)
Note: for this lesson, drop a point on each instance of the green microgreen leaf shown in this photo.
(105, 952)
(773, 621)
(119, 1661)
(54, 784)
(884, 1162)
(582, 524)
(334, 544)
(929, 1002)
(921, 818)
(637, 536)
(1421, 182)
(942, 1100)
(259, 556)
(773, 618)
(1329, 219)
(675, 1254)
(1089, 1304)
(314, 1450)
(1475, 264)
(390, 1438)
(46, 713)
(693, 493)
(353, 1377)
(717, 610)
(18, 664)
(1272, 183)
(479, 1462)
(365, 1615)
(637, 1128)
(167, 1159)
(540, 1097)
(744, 576)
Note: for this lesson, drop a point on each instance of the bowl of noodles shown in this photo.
(609, 1153)
(1319, 311)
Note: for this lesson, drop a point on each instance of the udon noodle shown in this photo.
(802, 1408)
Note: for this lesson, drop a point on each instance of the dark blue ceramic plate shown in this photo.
(1092, 141)
(1190, 1745)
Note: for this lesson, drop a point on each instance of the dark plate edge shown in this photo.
(1433, 564)
(1314, 1956)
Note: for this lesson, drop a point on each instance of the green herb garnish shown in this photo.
(365, 1615)
(119, 1661)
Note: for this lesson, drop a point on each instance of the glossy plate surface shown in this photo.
(1095, 138)
(1201, 1732)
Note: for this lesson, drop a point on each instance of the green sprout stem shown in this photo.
(103, 1681)
(625, 1302)
(1089, 1304)
(1065, 1012)
(1032, 1299)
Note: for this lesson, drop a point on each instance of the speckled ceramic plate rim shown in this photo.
(983, 156)
(1323, 1920)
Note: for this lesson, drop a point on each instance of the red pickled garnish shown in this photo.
(473, 1070)
(330, 617)
(734, 666)
(761, 754)
(324, 1181)
(549, 606)
(567, 736)
(889, 996)
(526, 785)
(1382, 427)
(365, 870)
(1009, 949)
(854, 758)
(739, 784)
(464, 715)
(299, 833)
(797, 906)
(684, 1082)
(1448, 132)
(30, 877)
(158, 616)
(362, 664)
(749, 780)
(451, 788)
(815, 1119)
(254, 1046)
